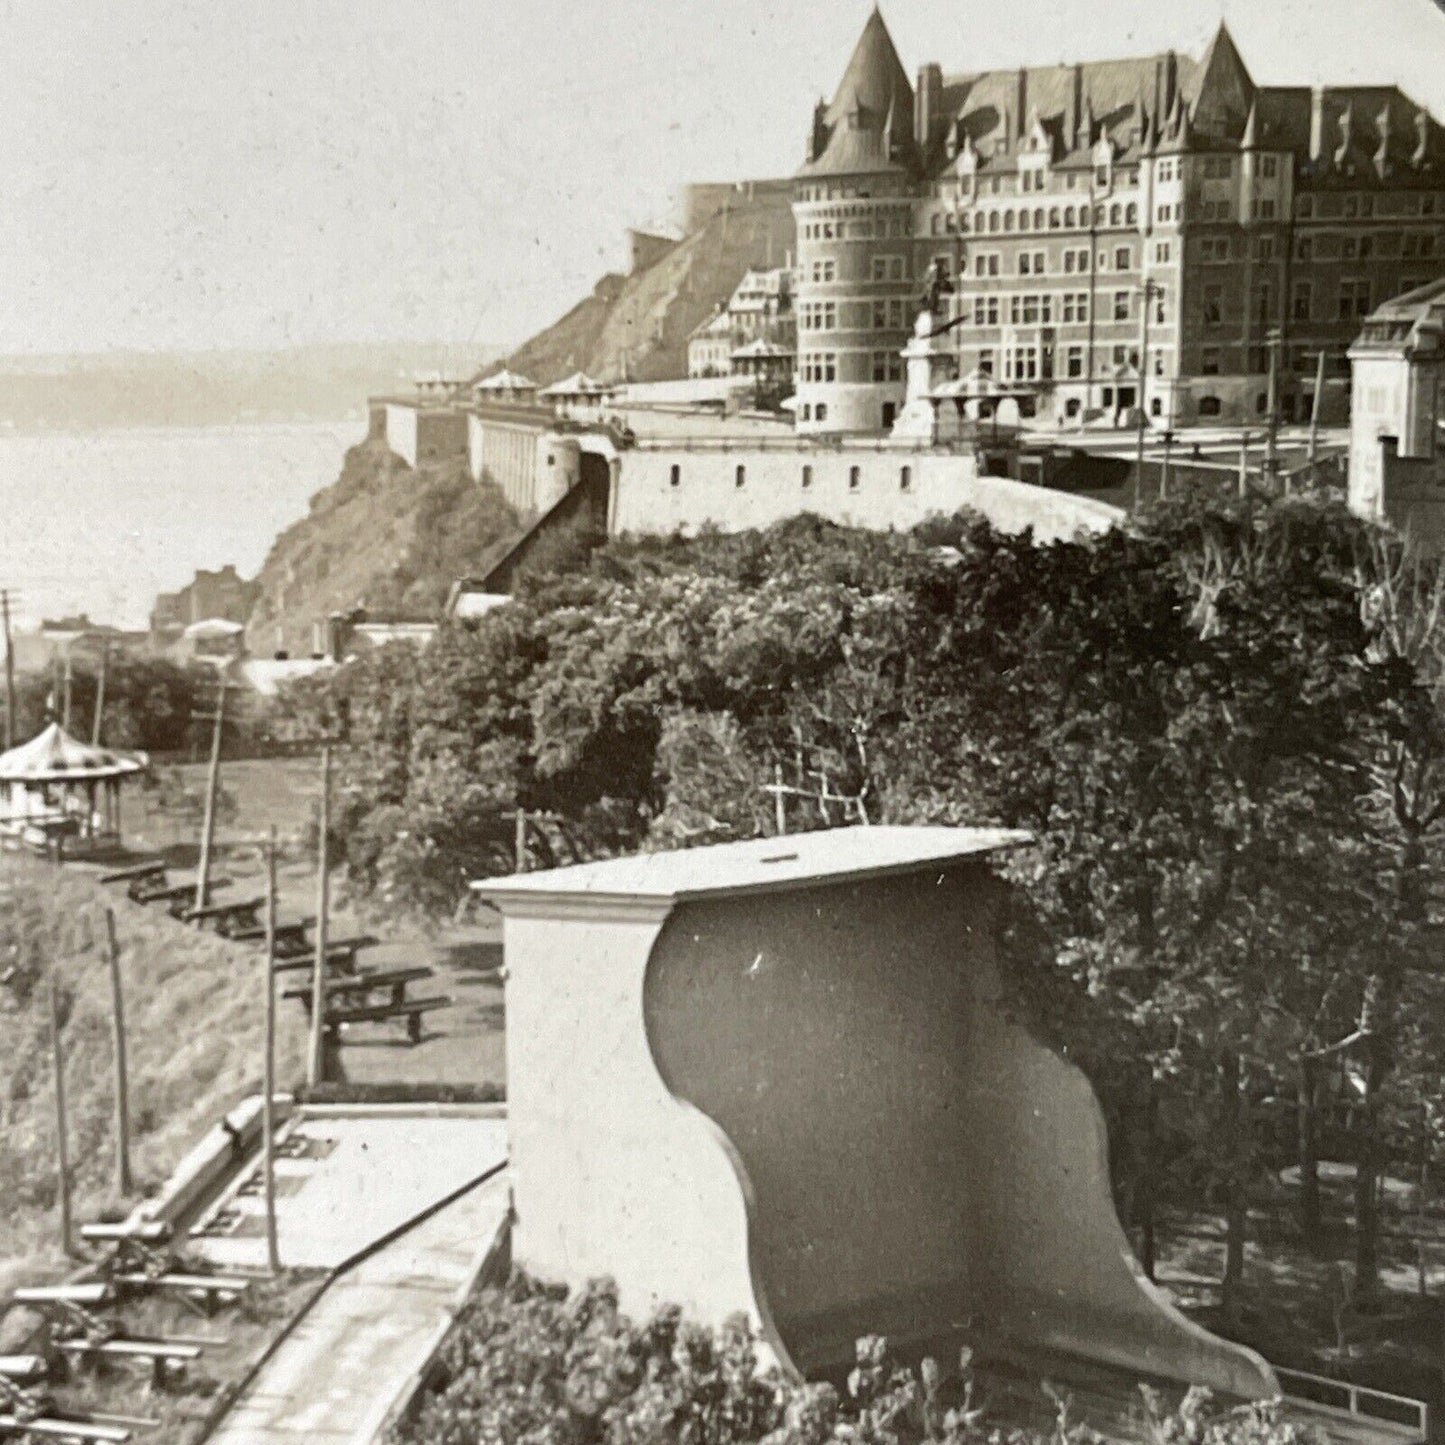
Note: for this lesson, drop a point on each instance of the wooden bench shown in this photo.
(143, 1231)
(359, 985)
(163, 1356)
(84, 1296)
(243, 910)
(24, 1369)
(59, 1427)
(340, 957)
(208, 1290)
(180, 897)
(412, 1011)
(135, 873)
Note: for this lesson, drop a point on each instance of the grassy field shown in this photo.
(194, 1016)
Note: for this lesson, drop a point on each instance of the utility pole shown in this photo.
(100, 695)
(122, 1087)
(62, 1143)
(213, 782)
(520, 840)
(1315, 412)
(65, 692)
(1244, 464)
(316, 1063)
(268, 1073)
(780, 807)
(1164, 469)
(1151, 290)
(1273, 341)
(9, 671)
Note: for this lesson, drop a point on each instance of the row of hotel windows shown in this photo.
(866, 229)
(1353, 301)
(855, 473)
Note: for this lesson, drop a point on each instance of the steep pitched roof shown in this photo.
(1225, 91)
(869, 120)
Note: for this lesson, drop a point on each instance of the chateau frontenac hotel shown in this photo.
(1108, 235)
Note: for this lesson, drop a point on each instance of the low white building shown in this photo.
(1397, 460)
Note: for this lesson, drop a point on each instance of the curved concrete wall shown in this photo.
(917, 1164)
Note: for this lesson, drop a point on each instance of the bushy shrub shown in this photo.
(529, 1364)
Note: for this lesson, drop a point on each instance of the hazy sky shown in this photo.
(194, 173)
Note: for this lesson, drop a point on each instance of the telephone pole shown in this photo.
(1273, 340)
(100, 695)
(122, 1087)
(213, 781)
(268, 1086)
(1151, 290)
(1315, 402)
(9, 671)
(316, 1063)
(62, 1142)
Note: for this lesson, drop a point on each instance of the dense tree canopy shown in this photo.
(1221, 725)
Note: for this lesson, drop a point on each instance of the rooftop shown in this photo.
(758, 865)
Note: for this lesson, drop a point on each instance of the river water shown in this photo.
(101, 521)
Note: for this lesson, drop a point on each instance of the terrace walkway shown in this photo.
(340, 1372)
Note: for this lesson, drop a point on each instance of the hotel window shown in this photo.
(887, 366)
(1031, 263)
(1300, 307)
(740, 476)
(905, 478)
(1217, 168)
(820, 412)
(1074, 362)
(1304, 249)
(1305, 207)
(674, 475)
(1263, 302)
(1427, 205)
(807, 477)
(993, 221)
(855, 475)
(1054, 218)
(1264, 209)
(985, 362)
(1264, 248)
(1008, 220)
(1352, 207)
(1123, 258)
(1162, 252)
(1069, 219)
(1209, 361)
(1039, 219)
(1354, 299)
(1269, 167)
(985, 310)
(1116, 214)
(1160, 307)
(1213, 305)
(1121, 306)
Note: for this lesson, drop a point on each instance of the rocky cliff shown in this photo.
(381, 536)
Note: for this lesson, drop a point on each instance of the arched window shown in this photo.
(936, 225)
(1115, 214)
(1023, 220)
(1131, 216)
(1039, 219)
(1069, 216)
(1099, 214)
(993, 220)
(1054, 219)
(820, 412)
(1008, 220)
(1209, 406)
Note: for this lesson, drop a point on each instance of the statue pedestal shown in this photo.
(929, 364)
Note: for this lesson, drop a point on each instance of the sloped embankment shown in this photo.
(194, 1008)
(382, 536)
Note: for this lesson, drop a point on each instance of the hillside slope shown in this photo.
(381, 536)
(639, 324)
(194, 1018)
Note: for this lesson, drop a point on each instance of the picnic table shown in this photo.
(203, 1291)
(136, 873)
(290, 935)
(225, 915)
(412, 1010)
(135, 1245)
(340, 955)
(361, 985)
(179, 897)
(162, 1355)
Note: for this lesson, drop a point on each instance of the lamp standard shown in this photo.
(1152, 291)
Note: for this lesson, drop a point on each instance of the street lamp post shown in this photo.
(1152, 289)
(1272, 340)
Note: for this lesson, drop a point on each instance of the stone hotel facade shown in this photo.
(1116, 233)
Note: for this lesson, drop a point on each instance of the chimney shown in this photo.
(1171, 83)
(1022, 109)
(927, 107)
(1076, 108)
(1157, 109)
(1317, 122)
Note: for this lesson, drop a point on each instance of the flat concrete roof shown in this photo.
(759, 865)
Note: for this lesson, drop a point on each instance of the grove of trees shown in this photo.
(1222, 725)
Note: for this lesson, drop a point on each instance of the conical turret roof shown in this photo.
(875, 77)
(1225, 91)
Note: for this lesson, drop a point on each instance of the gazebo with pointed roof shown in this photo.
(57, 786)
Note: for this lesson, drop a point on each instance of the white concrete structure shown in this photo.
(777, 1078)
(735, 486)
(1398, 404)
